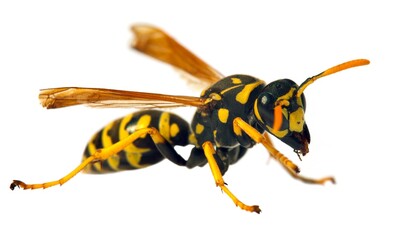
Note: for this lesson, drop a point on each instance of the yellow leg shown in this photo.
(299, 177)
(311, 180)
(240, 125)
(99, 155)
(209, 152)
(291, 168)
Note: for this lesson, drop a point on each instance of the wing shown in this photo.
(156, 43)
(109, 98)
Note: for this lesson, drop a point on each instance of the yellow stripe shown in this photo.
(113, 162)
(106, 139)
(287, 96)
(122, 127)
(279, 134)
(297, 120)
(230, 88)
(163, 126)
(243, 96)
(143, 122)
(134, 160)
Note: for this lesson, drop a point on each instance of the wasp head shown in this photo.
(280, 111)
(280, 107)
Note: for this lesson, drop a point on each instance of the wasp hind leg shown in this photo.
(162, 145)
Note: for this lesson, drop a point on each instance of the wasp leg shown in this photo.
(302, 178)
(102, 154)
(311, 180)
(211, 158)
(240, 125)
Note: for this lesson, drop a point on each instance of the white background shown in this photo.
(353, 116)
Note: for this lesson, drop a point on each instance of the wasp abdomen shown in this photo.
(142, 152)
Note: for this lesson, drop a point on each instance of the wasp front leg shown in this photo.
(300, 177)
(240, 126)
(292, 169)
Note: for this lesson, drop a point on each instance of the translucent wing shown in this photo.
(156, 43)
(110, 98)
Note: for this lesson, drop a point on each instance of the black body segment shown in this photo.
(143, 152)
(231, 97)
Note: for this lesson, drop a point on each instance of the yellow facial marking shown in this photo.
(285, 113)
(236, 81)
(164, 125)
(223, 115)
(243, 96)
(199, 128)
(297, 120)
(279, 134)
(288, 95)
(173, 130)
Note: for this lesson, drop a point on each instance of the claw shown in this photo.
(16, 183)
(256, 209)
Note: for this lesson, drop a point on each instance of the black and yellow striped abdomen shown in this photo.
(142, 152)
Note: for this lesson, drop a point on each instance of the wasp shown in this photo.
(232, 115)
